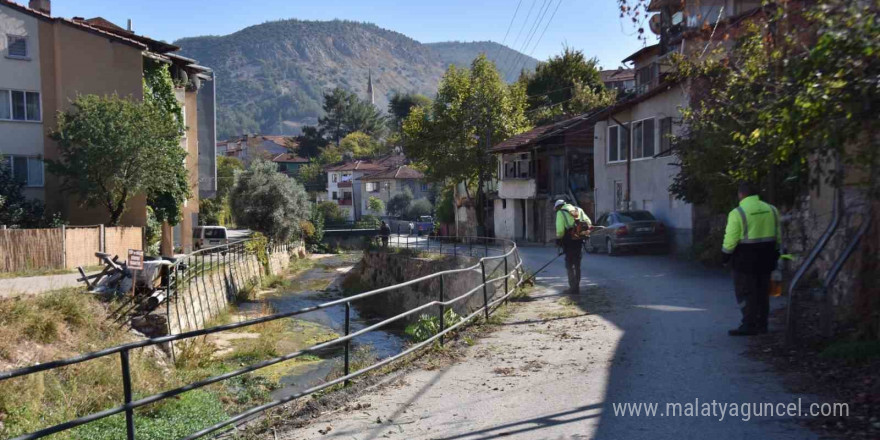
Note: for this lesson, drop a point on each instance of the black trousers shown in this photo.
(753, 296)
(573, 253)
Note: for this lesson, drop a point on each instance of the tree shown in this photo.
(418, 208)
(376, 205)
(113, 148)
(566, 84)
(269, 202)
(344, 113)
(227, 168)
(473, 109)
(360, 144)
(400, 105)
(15, 208)
(331, 212)
(446, 205)
(399, 203)
(310, 142)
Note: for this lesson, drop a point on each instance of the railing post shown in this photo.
(485, 247)
(442, 311)
(506, 277)
(126, 390)
(470, 246)
(348, 342)
(485, 293)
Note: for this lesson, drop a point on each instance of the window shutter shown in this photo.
(16, 46)
(612, 144)
(648, 137)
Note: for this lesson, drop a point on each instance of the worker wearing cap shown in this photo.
(570, 246)
(752, 241)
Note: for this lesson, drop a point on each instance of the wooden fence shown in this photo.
(64, 248)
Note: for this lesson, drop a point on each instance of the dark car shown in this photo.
(627, 230)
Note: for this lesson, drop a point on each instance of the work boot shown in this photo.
(743, 331)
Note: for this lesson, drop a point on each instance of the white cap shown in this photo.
(558, 203)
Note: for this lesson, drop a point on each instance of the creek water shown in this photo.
(377, 344)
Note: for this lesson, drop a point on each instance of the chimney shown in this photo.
(44, 6)
(129, 25)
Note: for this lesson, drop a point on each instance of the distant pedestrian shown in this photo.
(572, 225)
(412, 227)
(752, 240)
(385, 232)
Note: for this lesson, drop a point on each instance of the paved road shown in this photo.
(10, 287)
(649, 329)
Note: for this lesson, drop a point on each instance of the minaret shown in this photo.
(370, 86)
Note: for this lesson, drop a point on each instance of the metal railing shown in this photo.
(504, 248)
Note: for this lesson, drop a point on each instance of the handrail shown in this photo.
(129, 405)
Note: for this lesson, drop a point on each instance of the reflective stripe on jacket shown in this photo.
(753, 221)
(564, 220)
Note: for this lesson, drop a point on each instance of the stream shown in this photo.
(379, 343)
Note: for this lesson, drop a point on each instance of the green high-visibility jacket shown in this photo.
(752, 222)
(564, 220)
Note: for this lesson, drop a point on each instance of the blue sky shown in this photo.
(589, 25)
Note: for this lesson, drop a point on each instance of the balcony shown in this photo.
(517, 188)
(344, 202)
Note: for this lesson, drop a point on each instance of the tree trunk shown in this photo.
(166, 245)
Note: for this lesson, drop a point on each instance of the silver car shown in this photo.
(627, 230)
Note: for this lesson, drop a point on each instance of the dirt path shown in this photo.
(647, 329)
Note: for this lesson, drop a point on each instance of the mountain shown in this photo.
(270, 77)
(509, 61)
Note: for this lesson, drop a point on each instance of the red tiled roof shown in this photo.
(535, 134)
(278, 140)
(356, 165)
(401, 172)
(289, 158)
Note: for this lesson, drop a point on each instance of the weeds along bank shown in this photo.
(68, 322)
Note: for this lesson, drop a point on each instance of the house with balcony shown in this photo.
(622, 80)
(633, 162)
(346, 187)
(386, 184)
(535, 169)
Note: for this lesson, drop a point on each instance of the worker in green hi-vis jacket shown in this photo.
(752, 240)
(569, 220)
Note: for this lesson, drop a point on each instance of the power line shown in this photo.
(545, 27)
(519, 34)
(503, 40)
(531, 34)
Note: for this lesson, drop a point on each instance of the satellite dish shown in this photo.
(654, 23)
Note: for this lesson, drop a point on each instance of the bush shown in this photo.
(419, 208)
(376, 205)
(428, 325)
(331, 212)
(399, 204)
(368, 222)
(446, 206)
(269, 202)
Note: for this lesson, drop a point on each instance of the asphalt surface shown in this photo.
(646, 329)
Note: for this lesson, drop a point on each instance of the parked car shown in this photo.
(425, 225)
(627, 230)
(209, 236)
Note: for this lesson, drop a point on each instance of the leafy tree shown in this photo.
(269, 202)
(15, 209)
(400, 105)
(113, 148)
(227, 168)
(159, 90)
(360, 144)
(418, 208)
(399, 203)
(446, 205)
(331, 212)
(345, 113)
(310, 142)
(566, 84)
(376, 205)
(473, 109)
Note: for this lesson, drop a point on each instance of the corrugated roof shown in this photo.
(401, 172)
(617, 75)
(289, 158)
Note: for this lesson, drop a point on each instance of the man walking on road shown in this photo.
(752, 240)
(571, 223)
(384, 232)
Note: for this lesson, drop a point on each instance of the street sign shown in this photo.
(135, 259)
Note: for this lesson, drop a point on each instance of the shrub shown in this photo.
(428, 325)
(331, 212)
(376, 205)
(368, 222)
(419, 208)
(269, 202)
(399, 204)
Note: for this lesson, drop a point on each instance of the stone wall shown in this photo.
(380, 269)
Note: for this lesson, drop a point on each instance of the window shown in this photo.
(16, 46)
(618, 143)
(27, 170)
(335, 196)
(643, 139)
(372, 187)
(17, 105)
(334, 178)
(666, 136)
(635, 216)
(424, 187)
(517, 166)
